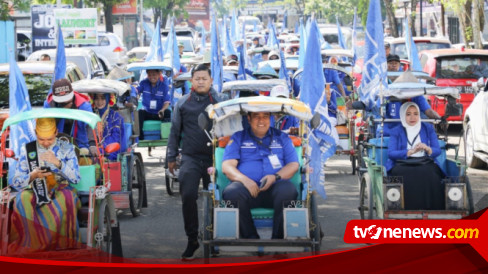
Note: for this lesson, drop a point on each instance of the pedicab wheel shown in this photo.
(315, 228)
(207, 223)
(365, 198)
(471, 160)
(469, 193)
(170, 183)
(136, 195)
(103, 237)
(353, 163)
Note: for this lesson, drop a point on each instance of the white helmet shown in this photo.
(280, 91)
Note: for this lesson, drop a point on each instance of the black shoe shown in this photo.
(214, 252)
(189, 253)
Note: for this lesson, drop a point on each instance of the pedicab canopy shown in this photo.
(101, 86)
(89, 118)
(408, 86)
(166, 66)
(252, 85)
(228, 114)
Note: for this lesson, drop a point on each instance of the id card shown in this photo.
(153, 104)
(275, 162)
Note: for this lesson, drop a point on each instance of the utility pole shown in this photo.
(141, 21)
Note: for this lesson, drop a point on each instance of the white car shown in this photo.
(475, 126)
(110, 50)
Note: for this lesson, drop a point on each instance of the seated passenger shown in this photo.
(155, 98)
(416, 142)
(259, 162)
(112, 121)
(44, 211)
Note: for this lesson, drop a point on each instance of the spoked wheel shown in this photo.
(315, 228)
(365, 198)
(171, 184)
(207, 223)
(136, 195)
(103, 236)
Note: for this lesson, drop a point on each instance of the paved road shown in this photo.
(158, 232)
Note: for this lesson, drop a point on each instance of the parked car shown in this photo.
(181, 32)
(137, 54)
(189, 47)
(86, 59)
(331, 36)
(455, 68)
(38, 79)
(475, 124)
(110, 50)
(462, 45)
(397, 45)
(24, 44)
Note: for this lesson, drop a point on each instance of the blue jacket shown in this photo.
(159, 93)
(397, 147)
(113, 131)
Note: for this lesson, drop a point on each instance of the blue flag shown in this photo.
(234, 27)
(340, 37)
(216, 61)
(285, 21)
(321, 143)
(272, 39)
(19, 102)
(374, 69)
(60, 65)
(229, 47)
(149, 30)
(354, 37)
(175, 59)
(156, 47)
(297, 27)
(303, 44)
(413, 55)
(255, 27)
(276, 45)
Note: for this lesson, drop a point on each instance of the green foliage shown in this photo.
(5, 7)
(168, 7)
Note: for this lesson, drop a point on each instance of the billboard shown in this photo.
(129, 7)
(43, 24)
(79, 25)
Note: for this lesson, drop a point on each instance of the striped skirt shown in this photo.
(52, 226)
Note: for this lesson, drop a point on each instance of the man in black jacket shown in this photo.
(196, 153)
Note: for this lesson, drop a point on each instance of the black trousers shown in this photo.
(145, 116)
(277, 196)
(191, 171)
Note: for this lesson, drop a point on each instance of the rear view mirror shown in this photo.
(453, 108)
(315, 122)
(203, 121)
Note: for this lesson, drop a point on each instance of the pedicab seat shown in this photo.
(222, 181)
(381, 155)
(88, 178)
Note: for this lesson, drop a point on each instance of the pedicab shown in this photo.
(127, 175)
(349, 125)
(382, 196)
(156, 133)
(302, 231)
(246, 88)
(97, 217)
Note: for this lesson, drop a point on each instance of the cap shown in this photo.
(62, 91)
(180, 44)
(393, 58)
(387, 45)
(279, 91)
(231, 61)
(273, 53)
(256, 39)
(265, 71)
(232, 57)
(45, 127)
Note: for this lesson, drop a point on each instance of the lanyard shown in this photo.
(260, 142)
(414, 139)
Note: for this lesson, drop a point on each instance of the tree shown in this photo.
(107, 10)
(390, 12)
(7, 6)
(164, 8)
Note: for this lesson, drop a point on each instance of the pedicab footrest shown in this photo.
(262, 213)
(296, 223)
(226, 222)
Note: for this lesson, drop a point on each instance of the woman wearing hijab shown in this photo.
(112, 121)
(412, 152)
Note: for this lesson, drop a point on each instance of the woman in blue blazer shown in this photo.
(416, 143)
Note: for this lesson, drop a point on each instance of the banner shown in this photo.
(79, 25)
(43, 26)
(129, 7)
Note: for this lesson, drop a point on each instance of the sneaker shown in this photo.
(189, 253)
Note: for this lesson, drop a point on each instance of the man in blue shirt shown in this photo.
(259, 162)
(155, 98)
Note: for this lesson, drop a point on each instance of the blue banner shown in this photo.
(321, 143)
(60, 66)
(19, 102)
(342, 43)
(303, 44)
(413, 55)
(216, 61)
(354, 37)
(374, 69)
